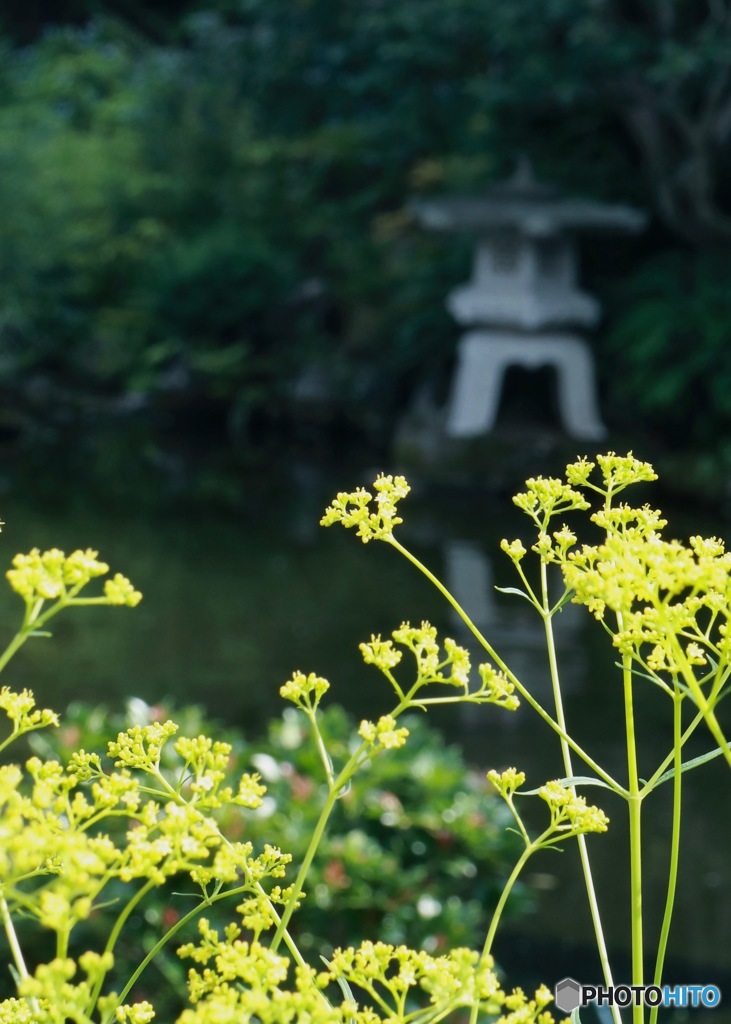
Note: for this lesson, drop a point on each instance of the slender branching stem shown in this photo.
(495, 920)
(321, 748)
(114, 935)
(569, 771)
(635, 837)
(15, 947)
(674, 848)
(332, 796)
(527, 696)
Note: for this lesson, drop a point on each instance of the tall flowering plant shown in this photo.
(667, 608)
(99, 832)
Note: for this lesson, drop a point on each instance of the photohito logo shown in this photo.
(569, 995)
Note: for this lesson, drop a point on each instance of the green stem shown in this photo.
(434, 1015)
(315, 840)
(490, 937)
(635, 837)
(569, 771)
(114, 935)
(15, 644)
(158, 946)
(716, 731)
(62, 942)
(296, 955)
(674, 849)
(9, 739)
(15, 948)
(670, 759)
(504, 668)
(703, 704)
(32, 621)
(322, 749)
(507, 889)
(281, 932)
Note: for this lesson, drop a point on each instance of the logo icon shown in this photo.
(567, 995)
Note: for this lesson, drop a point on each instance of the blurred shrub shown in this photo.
(203, 223)
(671, 340)
(141, 246)
(416, 824)
(188, 220)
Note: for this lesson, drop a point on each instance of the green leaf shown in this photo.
(344, 790)
(344, 986)
(572, 780)
(565, 598)
(514, 590)
(687, 765)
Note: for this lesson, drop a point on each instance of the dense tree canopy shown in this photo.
(211, 200)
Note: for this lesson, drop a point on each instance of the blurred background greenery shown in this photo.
(204, 204)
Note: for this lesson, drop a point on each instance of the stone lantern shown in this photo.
(523, 296)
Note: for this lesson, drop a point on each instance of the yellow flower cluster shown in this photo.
(240, 979)
(305, 691)
(55, 576)
(52, 996)
(21, 709)
(430, 663)
(138, 1013)
(507, 781)
(450, 667)
(56, 859)
(257, 912)
(570, 814)
(389, 975)
(667, 604)
(205, 769)
(50, 574)
(383, 734)
(140, 746)
(495, 688)
(514, 549)
(546, 497)
(119, 590)
(244, 982)
(356, 508)
(380, 653)
(422, 642)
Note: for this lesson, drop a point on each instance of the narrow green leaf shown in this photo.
(573, 780)
(344, 986)
(687, 765)
(514, 590)
(567, 595)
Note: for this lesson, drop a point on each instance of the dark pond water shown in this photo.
(234, 602)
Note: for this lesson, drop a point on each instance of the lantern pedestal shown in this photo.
(483, 358)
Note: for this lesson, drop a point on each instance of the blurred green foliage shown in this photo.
(671, 340)
(165, 234)
(140, 239)
(417, 851)
(201, 210)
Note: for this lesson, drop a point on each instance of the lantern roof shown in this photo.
(531, 207)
